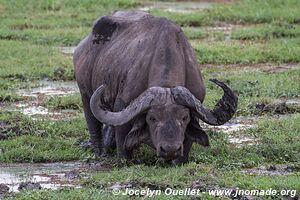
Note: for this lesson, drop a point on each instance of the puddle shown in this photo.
(51, 88)
(35, 107)
(233, 125)
(67, 50)
(48, 175)
(34, 110)
(179, 7)
(46, 89)
(241, 141)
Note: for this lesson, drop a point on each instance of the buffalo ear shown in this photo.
(137, 134)
(196, 133)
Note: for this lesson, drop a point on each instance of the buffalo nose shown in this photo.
(170, 150)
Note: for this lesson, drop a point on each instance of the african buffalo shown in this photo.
(139, 75)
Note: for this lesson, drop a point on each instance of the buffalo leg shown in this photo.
(187, 144)
(94, 127)
(121, 133)
(109, 139)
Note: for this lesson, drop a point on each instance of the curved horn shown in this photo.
(223, 110)
(150, 97)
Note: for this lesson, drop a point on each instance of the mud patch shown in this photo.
(273, 170)
(36, 111)
(242, 141)
(281, 106)
(51, 88)
(234, 125)
(67, 50)
(178, 7)
(35, 107)
(41, 176)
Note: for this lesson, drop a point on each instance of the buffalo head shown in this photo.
(162, 116)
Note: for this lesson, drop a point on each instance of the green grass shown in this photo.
(30, 140)
(240, 12)
(265, 31)
(258, 11)
(27, 126)
(19, 58)
(57, 13)
(235, 52)
(35, 149)
(65, 102)
(252, 87)
(57, 36)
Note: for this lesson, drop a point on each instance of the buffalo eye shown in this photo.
(152, 119)
(185, 118)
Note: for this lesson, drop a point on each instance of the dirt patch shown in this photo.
(281, 106)
(273, 170)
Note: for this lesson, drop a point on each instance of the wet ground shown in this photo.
(179, 7)
(272, 170)
(35, 107)
(46, 175)
(51, 88)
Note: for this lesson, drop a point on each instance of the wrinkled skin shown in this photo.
(167, 125)
(129, 70)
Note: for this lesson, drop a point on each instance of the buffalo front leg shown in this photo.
(94, 127)
(121, 133)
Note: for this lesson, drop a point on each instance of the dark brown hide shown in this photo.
(132, 62)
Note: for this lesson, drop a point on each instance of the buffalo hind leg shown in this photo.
(94, 127)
